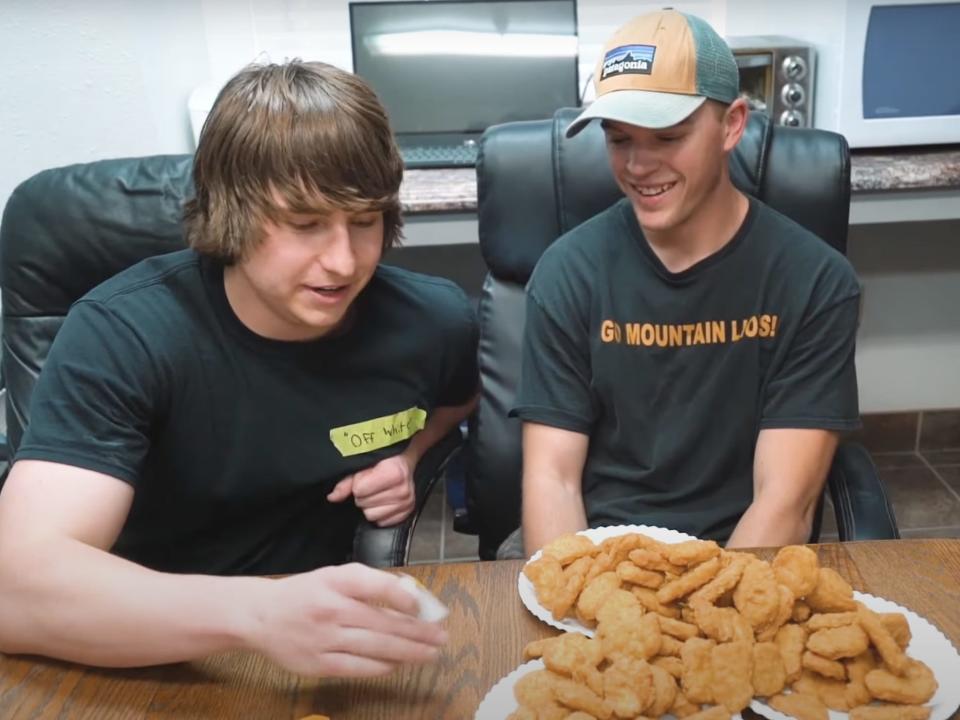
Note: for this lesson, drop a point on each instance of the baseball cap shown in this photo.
(657, 69)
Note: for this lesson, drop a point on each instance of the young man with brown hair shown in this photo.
(234, 409)
(689, 352)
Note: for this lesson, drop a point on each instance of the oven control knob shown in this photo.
(792, 94)
(792, 118)
(794, 67)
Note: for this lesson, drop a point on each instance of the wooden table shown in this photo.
(488, 628)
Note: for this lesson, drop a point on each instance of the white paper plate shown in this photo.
(500, 702)
(928, 644)
(529, 596)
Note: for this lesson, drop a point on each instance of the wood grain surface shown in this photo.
(488, 629)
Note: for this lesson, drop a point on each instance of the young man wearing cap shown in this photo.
(689, 352)
(236, 408)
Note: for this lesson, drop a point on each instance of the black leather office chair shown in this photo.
(534, 185)
(68, 229)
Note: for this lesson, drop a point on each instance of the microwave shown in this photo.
(776, 77)
(898, 81)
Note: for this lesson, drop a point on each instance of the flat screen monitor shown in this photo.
(454, 68)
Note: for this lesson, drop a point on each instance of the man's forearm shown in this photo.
(92, 607)
(772, 526)
(441, 421)
(548, 520)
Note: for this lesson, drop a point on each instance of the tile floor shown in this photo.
(924, 487)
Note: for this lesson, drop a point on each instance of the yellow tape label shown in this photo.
(377, 433)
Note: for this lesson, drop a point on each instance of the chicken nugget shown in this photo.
(890, 712)
(575, 656)
(832, 692)
(525, 713)
(570, 547)
(717, 712)
(535, 690)
(534, 648)
(800, 705)
(732, 684)
(801, 612)
(670, 646)
(574, 576)
(915, 687)
(682, 707)
(691, 552)
(678, 628)
(602, 563)
(824, 666)
(619, 546)
(628, 686)
(888, 648)
(769, 673)
(796, 566)
(726, 579)
(857, 668)
(823, 621)
(697, 676)
(629, 633)
(628, 572)
(723, 624)
(546, 574)
(832, 593)
(846, 641)
(757, 595)
(665, 692)
(792, 640)
(673, 665)
(652, 560)
(687, 583)
(595, 593)
(648, 598)
(767, 632)
(579, 715)
(897, 625)
(579, 697)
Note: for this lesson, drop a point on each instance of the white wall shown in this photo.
(88, 80)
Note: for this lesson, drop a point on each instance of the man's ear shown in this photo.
(734, 123)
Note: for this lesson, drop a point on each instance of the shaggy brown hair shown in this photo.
(306, 134)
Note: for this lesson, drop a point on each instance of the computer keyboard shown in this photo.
(439, 156)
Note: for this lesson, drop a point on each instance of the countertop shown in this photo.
(455, 189)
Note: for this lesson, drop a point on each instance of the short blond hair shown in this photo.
(308, 134)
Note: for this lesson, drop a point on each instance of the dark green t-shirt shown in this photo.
(672, 375)
(224, 435)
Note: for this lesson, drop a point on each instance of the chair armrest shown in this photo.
(860, 500)
(389, 546)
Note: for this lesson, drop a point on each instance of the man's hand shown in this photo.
(384, 491)
(344, 621)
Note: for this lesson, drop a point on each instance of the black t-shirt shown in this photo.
(672, 375)
(228, 437)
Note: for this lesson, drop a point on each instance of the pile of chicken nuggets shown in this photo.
(695, 631)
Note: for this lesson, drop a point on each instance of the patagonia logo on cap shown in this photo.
(628, 60)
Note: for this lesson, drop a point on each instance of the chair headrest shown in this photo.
(534, 184)
(66, 230)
